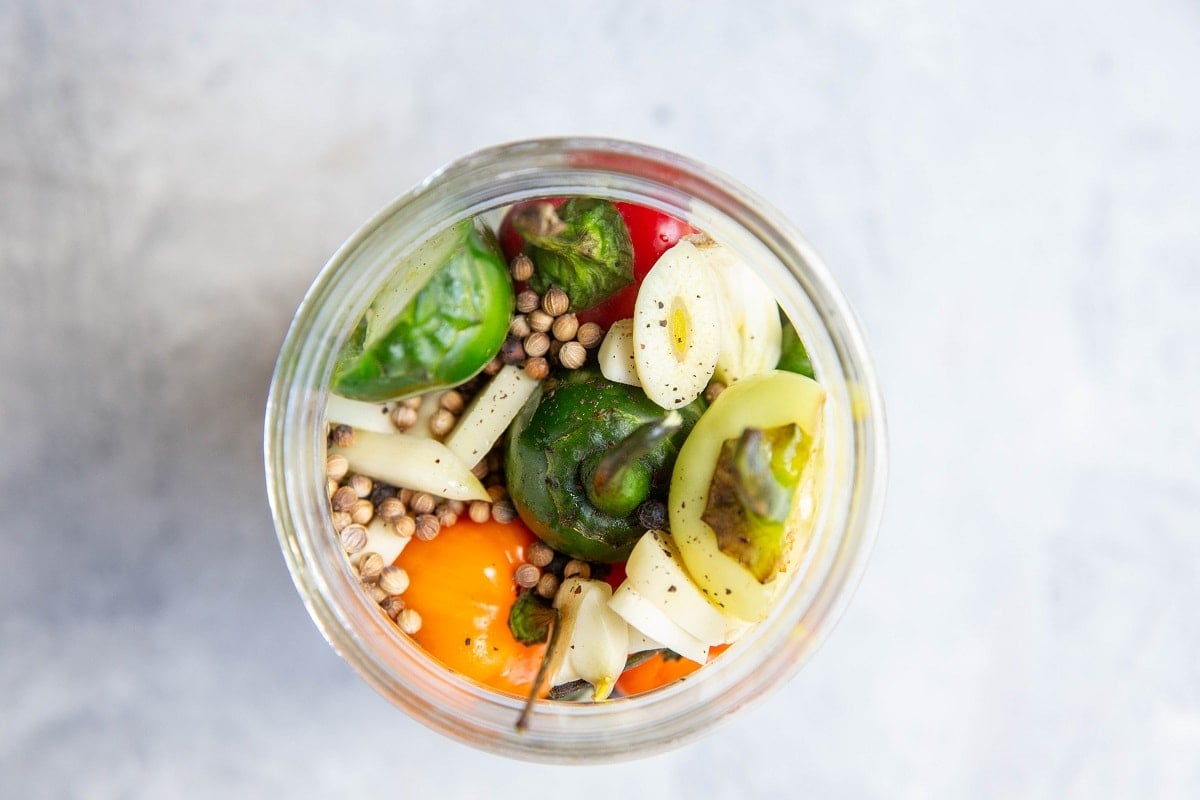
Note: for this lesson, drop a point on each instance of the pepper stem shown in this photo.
(619, 481)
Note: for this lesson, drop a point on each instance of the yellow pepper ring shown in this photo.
(766, 400)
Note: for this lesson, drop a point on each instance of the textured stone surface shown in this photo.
(1007, 193)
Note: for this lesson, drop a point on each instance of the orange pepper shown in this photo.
(461, 584)
(658, 671)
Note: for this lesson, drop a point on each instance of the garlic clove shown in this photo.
(616, 354)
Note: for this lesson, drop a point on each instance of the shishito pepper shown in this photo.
(415, 338)
(583, 454)
(734, 502)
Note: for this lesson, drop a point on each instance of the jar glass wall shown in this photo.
(850, 490)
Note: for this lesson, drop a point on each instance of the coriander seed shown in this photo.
(344, 499)
(342, 435)
(565, 327)
(503, 512)
(363, 512)
(479, 511)
(537, 368)
(527, 301)
(536, 344)
(354, 538)
(412, 402)
(340, 519)
(393, 580)
(497, 493)
(392, 606)
(527, 576)
(404, 417)
(362, 485)
(540, 554)
(480, 470)
(336, 466)
(409, 621)
(493, 366)
(572, 355)
(370, 566)
(589, 334)
(452, 401)
(713, 391)
(390, 509)
(427, 527)
(555, 301)
(442, 423)
(547, 586)
(447, 518)
(375, 593)
(577, 569)
(540, 321)
(422, 503)
(521, 267)
(519, 327)
(405, 527)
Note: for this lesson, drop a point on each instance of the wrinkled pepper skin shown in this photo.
(576, 418)
(443, 336)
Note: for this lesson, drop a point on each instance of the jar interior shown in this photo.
(850, 485)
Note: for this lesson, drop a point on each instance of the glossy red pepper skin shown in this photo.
(652, 234)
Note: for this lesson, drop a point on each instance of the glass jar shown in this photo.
(854, 451)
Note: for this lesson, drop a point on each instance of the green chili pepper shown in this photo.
(793, 357)
(583, 247)
(412, 342)
(584, 454)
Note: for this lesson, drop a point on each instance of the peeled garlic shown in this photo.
(616, 354)
(676, 327)
(593, 641)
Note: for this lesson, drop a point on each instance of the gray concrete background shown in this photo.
(1007, 193)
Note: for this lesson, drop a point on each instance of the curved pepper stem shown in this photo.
(619, 481)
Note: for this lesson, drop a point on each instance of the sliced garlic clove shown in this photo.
(676, 327)
(646, 617)
(616, 354)
(594, 640)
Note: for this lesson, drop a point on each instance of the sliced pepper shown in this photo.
(772, 468)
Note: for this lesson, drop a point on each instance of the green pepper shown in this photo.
(583, 454)
(583, 247)
(409, 341)
(793, 357)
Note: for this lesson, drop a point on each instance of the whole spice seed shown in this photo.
(555, 302)
(342, 435)
(405, 495)
(427, 528)
(565, 327)
(404, 417)
(479, 511)
(362, 485)
(340, 520)
(503, 512)
(336, 466)
(409, 621)
(493, 366)
(547, 585)
(370, 566)
(363, 512)
(447, 518)
(537, 368)
(652, 515)
(375, 593)
(589, 335)
(354, 538)
(512, 352)
(527, 301)
(540, 554)
(457, 506)
(536, 344)
(405, 527)
(331, 486)
(442, 422)
(480, 470)
(452, 401)
(392, 606)
(577, 569)
(522, 267)
(393, 580)
(527, 576)
(344, 499)
(572, 355)
(411, 402)
(497, 493)
(381, 492)
(519, 327)
(422, 503)
(540, 321)
(713, 391)
(390, 509)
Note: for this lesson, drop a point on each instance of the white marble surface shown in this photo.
(1007, 192)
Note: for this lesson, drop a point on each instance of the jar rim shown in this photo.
(394, 665)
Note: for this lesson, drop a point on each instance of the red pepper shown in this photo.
(652, 234)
